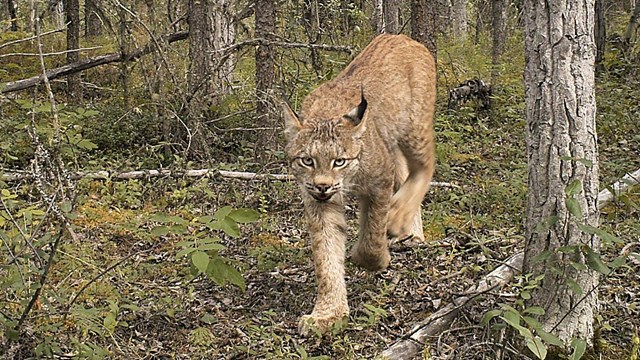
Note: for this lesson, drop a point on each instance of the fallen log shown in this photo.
(138, 174)
(411, 344)
(88, 64)
(606, 196)
(469, 89)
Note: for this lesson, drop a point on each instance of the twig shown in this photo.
(33, 37)
(62, 52)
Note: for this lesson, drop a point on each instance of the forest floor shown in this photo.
(149, 306)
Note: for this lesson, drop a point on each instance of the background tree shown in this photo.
(459, 18)
(72, 11)
(562, 162)
(265, 19)
(632, 27)
(11, 11)
(424, 25)
(92, 18)
(600, 33)
(497, 32)
(392, 16)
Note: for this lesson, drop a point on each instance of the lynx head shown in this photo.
(323, 152)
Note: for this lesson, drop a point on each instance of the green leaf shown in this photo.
(221, 272)
(244, 216)
(184, 252)
(573, 188)
(543, 256)
(86, 144)
(230, 227)
(606, 237)
(533, 323)
(579, 347)
(550, 338)
(575, 287)
(489, 315)
(619, 261)
(574, 207)
(537, 347)
(535, 310)
(207, 318)
(222, 212)
(160, 230)
(525, 295)
(201, 260)
(595, 262)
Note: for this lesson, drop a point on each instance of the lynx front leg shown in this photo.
(372, 249)
(328, 230)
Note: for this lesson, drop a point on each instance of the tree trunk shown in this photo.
(600, 33)
(378, 19)
(633, 24)
(11, 9)
(265, 13)
(498, 15)
(562, 162)
(392, 16)
(72, 11)
(210, 30)
(92, 18)
(423, 24)
(459, 19)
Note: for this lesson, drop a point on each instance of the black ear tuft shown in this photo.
(356, 115)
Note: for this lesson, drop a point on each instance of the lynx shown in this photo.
(369, 131)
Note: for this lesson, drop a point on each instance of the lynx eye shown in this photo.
(307, 161)
(338, 163)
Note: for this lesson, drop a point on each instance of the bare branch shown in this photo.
(32, 37)
(51, 53)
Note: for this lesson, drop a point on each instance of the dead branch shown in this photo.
(412, 343)
(9, 43)
(88, 64)
(242, 175)
(284, 44)
(606, 196)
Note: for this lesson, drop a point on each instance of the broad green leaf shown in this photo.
(574, 207)
(184, 252)
(579, 347)
(573, 188)
(543, 256)
(160, 217)
(207, 318)
(575, 287)
(533, 323)
(513, 319)
(230, 227)
(160, 230)
(221, 272)
(595, 262)
(550, 338)
(244, 216)
(606, 237)
(535, 310)
(489, 315)
(537, 347)
(525, 295)
(619, 261)
(222, 212)
(201, 260)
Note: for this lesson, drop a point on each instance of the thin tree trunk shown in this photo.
(633, 24)
(11, 9)
(92, 18)
(265, 15)
(459, 19)
(392, 16)
(498, 15)
(378, 20)
(563, 162)
(600, 34)
(72, 11)
(423, 24)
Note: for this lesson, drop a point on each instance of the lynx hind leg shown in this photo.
(401, 174)
(405, 204)
(371, 251)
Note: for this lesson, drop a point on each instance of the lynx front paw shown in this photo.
(369, 259)
(400, 221)
(320, 323)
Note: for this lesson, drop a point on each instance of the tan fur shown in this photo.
(387, 145)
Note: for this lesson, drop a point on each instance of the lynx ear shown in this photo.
(356, 117)
(291, 122)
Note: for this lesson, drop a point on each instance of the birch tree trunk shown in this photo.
(563, 162)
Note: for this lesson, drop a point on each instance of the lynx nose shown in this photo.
(323, 187)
